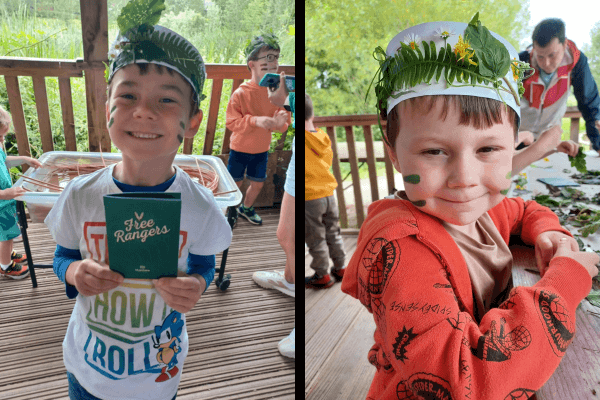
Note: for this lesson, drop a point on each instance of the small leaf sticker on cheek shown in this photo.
(509, 175)
(505, 191)
(113, 109)
(414, 179)
(419, 203)
(112, 120)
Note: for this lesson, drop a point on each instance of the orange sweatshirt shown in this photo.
(410, 274)
(246, 103)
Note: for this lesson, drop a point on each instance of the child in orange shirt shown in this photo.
(433, 264)
(251, 117)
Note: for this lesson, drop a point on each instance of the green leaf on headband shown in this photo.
(492, 54)
(140, 12)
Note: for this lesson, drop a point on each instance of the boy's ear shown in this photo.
(195, 122)
(393, 157)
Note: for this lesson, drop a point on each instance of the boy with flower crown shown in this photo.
(127, 339)
(251, 119)
(433, 263)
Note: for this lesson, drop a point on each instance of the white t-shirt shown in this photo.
(128, 343)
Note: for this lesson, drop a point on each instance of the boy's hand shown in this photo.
(587, 259)
(181, 293)
(546, 245)
(92, 278)
(569, 147)
(278, 96)
(526, 138)
(33, 162)
(280, 119)
(267, 123)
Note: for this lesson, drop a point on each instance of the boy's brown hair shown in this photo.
(160, 69)
(308, 107)
(479, 112)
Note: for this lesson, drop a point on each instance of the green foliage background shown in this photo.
(341, 36)
(219, 30)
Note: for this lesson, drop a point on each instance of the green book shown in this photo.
(143, 233)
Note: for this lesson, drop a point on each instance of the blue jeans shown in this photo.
(255, 166)
(77, 392)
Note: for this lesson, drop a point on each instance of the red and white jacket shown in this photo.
(541, 107)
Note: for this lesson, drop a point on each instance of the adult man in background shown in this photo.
(558, 64)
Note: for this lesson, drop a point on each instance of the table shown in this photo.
(578, 375)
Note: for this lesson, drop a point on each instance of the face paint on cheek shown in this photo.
(505, 191)
(509, 175)
(112, 120)
(414, 179)
(180, 135)
(419, 203)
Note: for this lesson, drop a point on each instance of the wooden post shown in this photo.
(575, 130)
(338, 177)
(18, 116)
(94, 24)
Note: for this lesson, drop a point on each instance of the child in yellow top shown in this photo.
(251, 117)
(321, 215)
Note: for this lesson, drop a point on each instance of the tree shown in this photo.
(592, 52)
(341, 36)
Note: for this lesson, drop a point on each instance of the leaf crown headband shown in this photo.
(140, 40)
(253, 46)
(482, 64)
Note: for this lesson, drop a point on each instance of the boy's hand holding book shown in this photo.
(92, 278)
(181, 293)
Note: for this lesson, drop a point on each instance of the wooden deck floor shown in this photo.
(233, 334)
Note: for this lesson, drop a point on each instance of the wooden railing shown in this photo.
(64, 70)
(94, 22)
(371, 151)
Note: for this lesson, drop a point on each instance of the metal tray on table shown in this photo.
(40, 200)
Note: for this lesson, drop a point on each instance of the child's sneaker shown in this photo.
(287, 346)
(18, 258)
(317, 282)
(250, 215)
(15, 271)
(338, 273)
(274, 280)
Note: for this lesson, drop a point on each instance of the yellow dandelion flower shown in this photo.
(545, 159)
(462, 49)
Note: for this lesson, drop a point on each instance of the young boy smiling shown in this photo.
(433, 264)
(127, 339)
